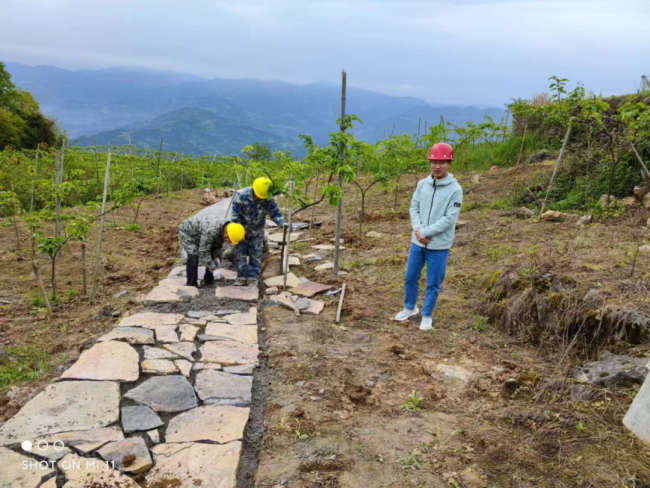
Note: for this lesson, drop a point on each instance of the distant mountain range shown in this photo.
(217, 115)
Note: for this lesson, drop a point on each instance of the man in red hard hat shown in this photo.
(434, 210)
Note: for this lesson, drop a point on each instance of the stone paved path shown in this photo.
(164, 396)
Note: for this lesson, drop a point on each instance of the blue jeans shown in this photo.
(436, 261)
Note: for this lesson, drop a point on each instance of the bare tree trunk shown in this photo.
(101, 227)
(356, 178)
(396, 191)
(62, 159)
(83, 267)
(131, 158)
(339, 210)
(505, 126)
(158, 168)
(31, 203)
(557, 165)
(42, 287)
(523, 139)
(13, 216)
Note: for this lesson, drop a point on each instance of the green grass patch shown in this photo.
(26, 363)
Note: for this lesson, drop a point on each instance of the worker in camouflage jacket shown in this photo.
(250, 207)
(202, 238)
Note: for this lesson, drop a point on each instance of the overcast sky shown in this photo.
(447, 51)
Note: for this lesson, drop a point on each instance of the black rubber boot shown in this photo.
(208, 278)
(192, 270)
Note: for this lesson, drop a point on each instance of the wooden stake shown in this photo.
(505, 127)
(62, 159)
(101, 227)
(557, 164)
(340, 309)
(96, 164)
(31, 203)
(42, 287)
(339, 211)
(311, 220)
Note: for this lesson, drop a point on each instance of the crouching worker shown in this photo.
(250, 206)
(434, 210)
(202, 238)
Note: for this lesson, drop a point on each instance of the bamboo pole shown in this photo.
(340, 308)
(96, 164)
(638, 158)
(523, 139)
(339, 211)
(285, 256)
(42, 287)
(83, 267)
(101, 227)
(31, 203)
(557, 164)
(311, 220)
(58, 198)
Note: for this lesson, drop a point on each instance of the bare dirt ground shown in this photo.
(131, 261)
(334, 413)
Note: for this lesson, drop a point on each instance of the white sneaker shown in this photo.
(426, 324)
(406, 313)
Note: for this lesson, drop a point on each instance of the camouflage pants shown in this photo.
(249, 255)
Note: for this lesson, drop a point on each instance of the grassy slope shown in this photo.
(471, 432)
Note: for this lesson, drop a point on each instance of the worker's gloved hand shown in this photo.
(216, 273)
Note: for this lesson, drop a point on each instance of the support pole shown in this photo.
(285, 255)
(557, 165)
(339, 211)
(42, 287)
(101, 227)
(340, 309)
(31, 203)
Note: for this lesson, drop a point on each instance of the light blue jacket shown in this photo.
(434, 210)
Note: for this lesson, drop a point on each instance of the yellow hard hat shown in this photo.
(261, 187)
(235, 232)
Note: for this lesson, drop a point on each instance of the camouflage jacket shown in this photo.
(203, 234)
(251, 213)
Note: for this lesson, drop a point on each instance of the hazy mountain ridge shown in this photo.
(120, 100)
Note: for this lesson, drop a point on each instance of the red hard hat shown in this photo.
(441, 152)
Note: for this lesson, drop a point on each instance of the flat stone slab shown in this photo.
(182, 349)
(184, 366)
(170, 291)
(135, 419)
(188, 332)
(132, 335)
(151, 320)
(165, 394)
(158, 366)
(315, 307)
(216, 387)
(285, 301)
(277, 237)
(154, 436)
(84, 472)
(217, 423)
(12, 474)
(244, 369)
(311, 288)
(326, 247)
(158, 353)
(195, 465)
(116, 452)
(63, 407)
(201, 366)
(244, 293)
(278, 281)
(324, 266)
(248, 318)
(85, 441)
(166, 334)
(106, 361)
(229, 353)
(241, 333)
